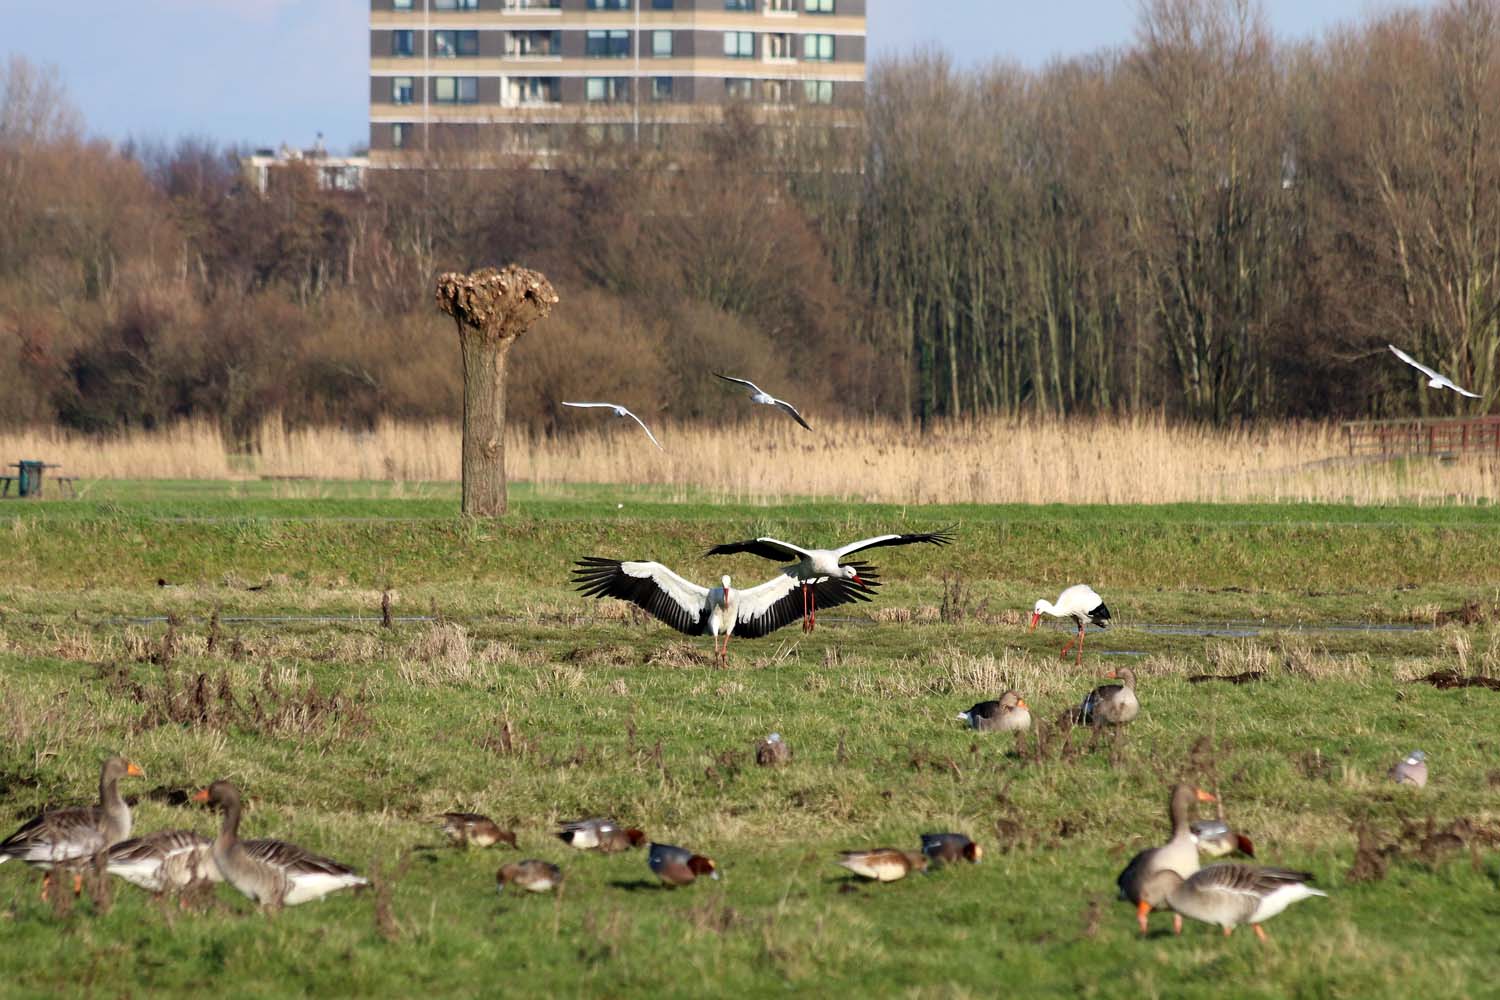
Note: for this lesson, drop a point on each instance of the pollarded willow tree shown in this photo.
(491, 308)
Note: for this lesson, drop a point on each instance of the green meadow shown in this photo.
(210, 630)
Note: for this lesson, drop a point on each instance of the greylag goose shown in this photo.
(1230, 894)
(598, 834)
(947, 848)
(1009, 714)
(1180, 855)
(884, 864)
(772, 751)
(464, 829)
(719, 611)
(1216, 839)
(167, 860)
(679, 866)
(1411, 770)
(531, 875)
(1111, 704)
(72, 836)
(811, 565)
(1079, 603)
(273, 873)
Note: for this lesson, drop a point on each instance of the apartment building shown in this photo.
(535, 75)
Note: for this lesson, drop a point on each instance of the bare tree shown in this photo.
(34, 105)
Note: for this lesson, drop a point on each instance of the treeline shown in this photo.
(1207, 222)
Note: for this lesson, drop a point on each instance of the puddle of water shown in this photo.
(1242, 629)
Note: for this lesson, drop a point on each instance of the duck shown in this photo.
(1411, 770)
(1009, 714)
(466, 829)
(531, 875)
(1232, 893)
(74, 835)
(677, 866)
(1179, 854)
(1216, 839)
(164, 861)
(883, 864)
(945, 848)
(1111, 704)
(599, 834)
(772, 751)
(272, 873)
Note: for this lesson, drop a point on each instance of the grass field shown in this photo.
(500, 691)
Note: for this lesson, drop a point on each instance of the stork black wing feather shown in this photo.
(598, 577)
(830, 593)
(755, 547)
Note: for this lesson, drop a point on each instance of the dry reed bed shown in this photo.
(990, 461)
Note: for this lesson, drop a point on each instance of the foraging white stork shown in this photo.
(1434, 380)
(759, 395)
(1079, 603)
(620, 411)
(811, 565)
(716, 611)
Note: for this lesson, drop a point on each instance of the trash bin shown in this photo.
(30, 482)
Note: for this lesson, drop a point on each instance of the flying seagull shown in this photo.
(620, 411)
(1434, 380)
(759, 395)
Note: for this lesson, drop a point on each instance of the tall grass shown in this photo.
(989, 461)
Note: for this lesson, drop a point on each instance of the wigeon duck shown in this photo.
(273, 873)
(1411, 770)
(1009, 714)
(772, 751)
(465, 829)
(1180, 855)
(1216, 839)
(1231, 894)
(679, 866)
(1079, 603)
(164, 861)
(599, 834)
(945, 848)
(884, 864)
(72, 836)
(531, 875)
(1111, 704)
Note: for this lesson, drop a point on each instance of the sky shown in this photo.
(260, 72)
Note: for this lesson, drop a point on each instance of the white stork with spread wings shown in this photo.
(716, 611)
(810, 565)
(759, 395)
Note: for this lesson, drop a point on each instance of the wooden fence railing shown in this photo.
(1424, 436)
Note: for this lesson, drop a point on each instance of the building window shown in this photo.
(609, 4)
(401, 90)
(818, 6)
(739, 4)
(739, 44)
(455, 5)
(778, 45)
(400, 4)
(661, 88)
(455, 89)
(400, 135)
(448, 44)
(817, 47)
(661, 4)
(781, 6)
(606, 88)
(402, 42)
(611, 44)
(817, 91)
(533, 43)
(737, 89)
(661, 44)
(776, 91)
(533, 90)
(514, 5)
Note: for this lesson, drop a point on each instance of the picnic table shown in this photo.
(29, 477)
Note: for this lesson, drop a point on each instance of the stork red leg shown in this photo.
(1080, 645)
(1064, 653)
(806, 609)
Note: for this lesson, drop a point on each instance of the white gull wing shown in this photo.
(743, 381)
(620, 411)
(790, 410)
(638, 420)
(1437, 379)
(648, 585)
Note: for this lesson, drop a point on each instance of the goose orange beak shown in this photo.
(1206, 796)
(134, 770)
(201, 795)
(1112, 675)
(1021, 703)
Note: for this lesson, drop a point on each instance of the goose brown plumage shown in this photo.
(1231, 893)
(1111, 704)
(883, 864)
(70, 837)
(273, 873)
(167, 860)
(1009, 714)
(1180, 855)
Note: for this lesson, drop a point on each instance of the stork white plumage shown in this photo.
(810, 565)
(759, 395)
(1434, 379)
(717, 611)
(620, 411)
(1079, 603)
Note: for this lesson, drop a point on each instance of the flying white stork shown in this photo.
(1079, 603)
(759, 395)
(620, 411)
(1434, 380)
(811, 565)
(716, 611)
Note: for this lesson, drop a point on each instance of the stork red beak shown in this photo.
(858, 580)
(1036, 616)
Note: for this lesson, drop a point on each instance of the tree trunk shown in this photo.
(491, 309)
